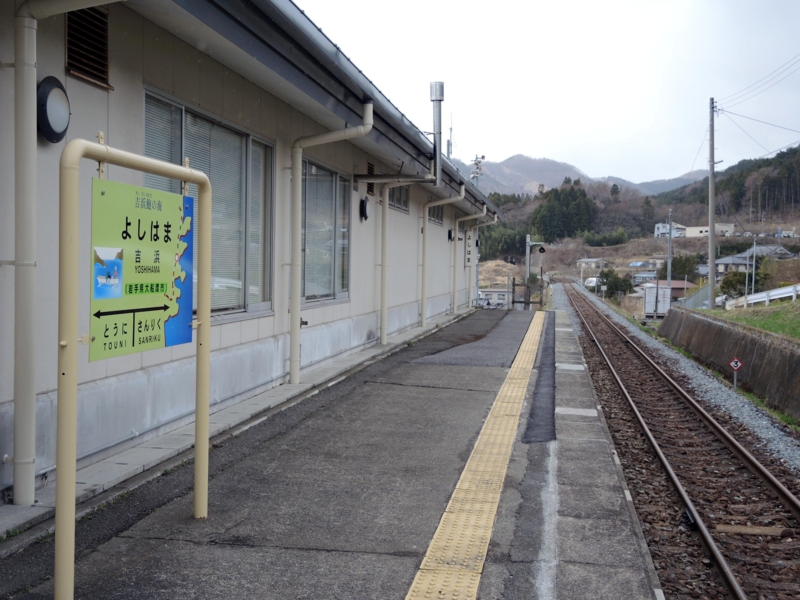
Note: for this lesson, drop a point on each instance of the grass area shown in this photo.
(778, 317)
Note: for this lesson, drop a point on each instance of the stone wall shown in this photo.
(771, 362)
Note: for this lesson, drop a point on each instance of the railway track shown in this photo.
(746, 518)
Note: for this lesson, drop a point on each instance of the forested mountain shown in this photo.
(651, 188)
(751, 187)
(611, 211)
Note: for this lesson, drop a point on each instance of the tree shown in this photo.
(733, 284)
(577, 182)
(614, 283)
(541, 189)
(567, 181)
(682, 266)
(648, 214)
(614, 193)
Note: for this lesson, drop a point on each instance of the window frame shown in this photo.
(338, 178)
(433, 211)
(248, 309)
(398, 191)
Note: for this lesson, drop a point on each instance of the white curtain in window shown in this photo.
(319, 232)
(343, 237)
(259, 223)
(162, 140)
(220, 152)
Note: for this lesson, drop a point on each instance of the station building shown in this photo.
(231, 85)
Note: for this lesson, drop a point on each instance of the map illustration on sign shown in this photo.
(141, 286)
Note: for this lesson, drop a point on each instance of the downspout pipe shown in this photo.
(478, 226)
(390, 181)
(297, 225)
(423, 321)
(455, 255)
(25, 164)
(385, 257)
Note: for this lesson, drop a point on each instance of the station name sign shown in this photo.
(141, 274)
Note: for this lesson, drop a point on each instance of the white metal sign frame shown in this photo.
(68, 337)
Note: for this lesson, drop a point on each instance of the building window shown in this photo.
(240, 170)
(461, 224)
(326, 233)
(436, 214)
(398, 198)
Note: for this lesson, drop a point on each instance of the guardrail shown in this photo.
(776, 294)
(696, 299)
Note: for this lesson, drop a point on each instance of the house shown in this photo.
(744, 260)
(593, 263)
(721, 229)
(656, 261)
(662, 230)
(249, 93)
(643, 277)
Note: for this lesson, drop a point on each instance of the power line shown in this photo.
(740, 127)
(759, 121)
(779, 149)
(765, 89)
(698, 150)
(729, 97)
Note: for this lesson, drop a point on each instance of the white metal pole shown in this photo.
(455, 265)
(471, 276)
(296, 269)
(423, 307)
(423, 321)
(712, 265)
(385, 257)
(25, 164)
(25, 261)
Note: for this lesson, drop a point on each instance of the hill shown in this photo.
(768, 187)
(520, 174)
(651, 188)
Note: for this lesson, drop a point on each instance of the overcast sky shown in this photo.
(614, 87)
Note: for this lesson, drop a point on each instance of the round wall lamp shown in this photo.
(52, 109)
(363, 208)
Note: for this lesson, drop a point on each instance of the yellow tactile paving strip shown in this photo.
(453, 564)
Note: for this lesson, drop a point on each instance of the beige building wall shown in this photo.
(143, 57)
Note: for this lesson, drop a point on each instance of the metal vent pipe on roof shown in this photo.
(437, 96)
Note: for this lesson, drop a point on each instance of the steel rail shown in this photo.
(705, 535)
(789, 500)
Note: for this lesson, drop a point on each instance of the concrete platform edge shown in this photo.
(637, 526)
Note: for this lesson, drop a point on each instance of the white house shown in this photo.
(662, 230)
(232, 86)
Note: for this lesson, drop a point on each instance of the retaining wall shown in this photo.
(771, 362)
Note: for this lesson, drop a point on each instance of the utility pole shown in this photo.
(669, 251)
(712, 253)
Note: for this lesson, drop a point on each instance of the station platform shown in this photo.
(473, 462)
